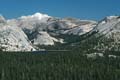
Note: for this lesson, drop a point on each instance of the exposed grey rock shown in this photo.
(32, 25)
(43, 38)
(41, 29)
(12, 38)
(2, 19)
(110, 27)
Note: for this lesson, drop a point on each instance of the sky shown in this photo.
(82, 9)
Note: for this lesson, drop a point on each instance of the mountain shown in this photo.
(108, 30)
(12, 38)
(32, 32)
(52, 27)
(109, 26)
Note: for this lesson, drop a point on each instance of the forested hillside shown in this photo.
(57, 66)
(73, 64)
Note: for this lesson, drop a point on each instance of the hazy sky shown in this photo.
(84, 9)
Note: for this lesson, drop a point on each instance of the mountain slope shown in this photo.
(106, 35)
(26, 32)
(32, 25)
(12, 38)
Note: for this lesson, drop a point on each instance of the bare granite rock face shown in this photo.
(12, 38)
(38, 23)
(26, 32)
(110, 27)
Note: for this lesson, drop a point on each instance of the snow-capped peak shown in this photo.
(39, 16)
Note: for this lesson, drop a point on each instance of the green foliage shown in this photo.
(63, 65)
(57, 66)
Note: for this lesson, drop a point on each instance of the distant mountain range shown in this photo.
(30, 33)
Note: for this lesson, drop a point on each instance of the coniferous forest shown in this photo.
(54, 66)
(62, 65)
(59, 39)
